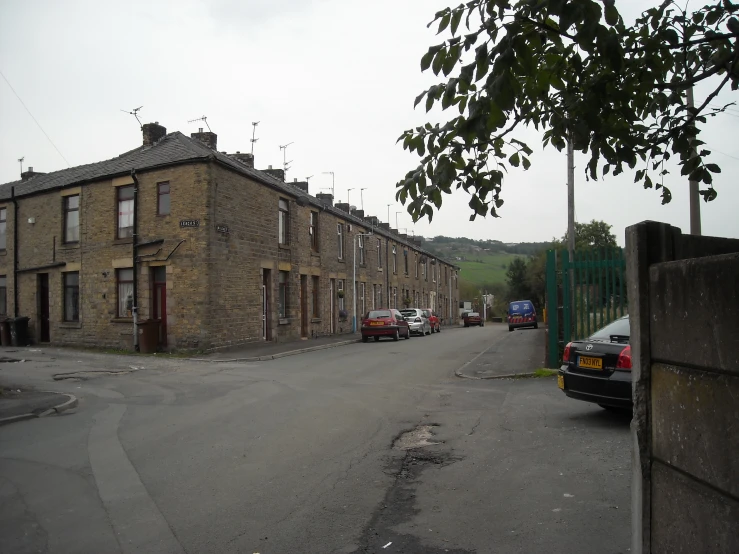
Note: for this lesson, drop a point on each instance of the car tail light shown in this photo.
(566, 354)
(624, 359)
(418, 320)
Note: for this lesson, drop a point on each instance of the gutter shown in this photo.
(15, 251)
(135, 247)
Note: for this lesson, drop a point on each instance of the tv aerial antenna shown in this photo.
(285, 163)
(253, 135)
(204, 119)
(135, 113)
(20, 161)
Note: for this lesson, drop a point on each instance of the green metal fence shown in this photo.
(583, 295)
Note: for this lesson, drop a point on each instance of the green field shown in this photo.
(490, 269)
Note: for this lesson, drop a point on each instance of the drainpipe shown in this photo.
(15, 252)
(135, 307)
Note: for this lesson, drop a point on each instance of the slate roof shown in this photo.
(175, 148)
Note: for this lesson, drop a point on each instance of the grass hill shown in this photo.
(483, 263)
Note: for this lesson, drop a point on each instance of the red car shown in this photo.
(433, 320)
(384, 323)
(472, 318)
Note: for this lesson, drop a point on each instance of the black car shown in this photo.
(598, 369)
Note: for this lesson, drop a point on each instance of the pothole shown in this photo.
(415, 438)
(6, 360)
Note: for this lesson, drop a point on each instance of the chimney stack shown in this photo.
(385, 226)
(372, 220)
(26, 175)
(207, 138)
(245, 158)
(343, 206)
(153, 132)
(302, 185)
(326, 198)
(358, 213)
(276, 173)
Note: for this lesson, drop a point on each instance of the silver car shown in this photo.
(417, 321)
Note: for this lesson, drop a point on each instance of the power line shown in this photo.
(724, 153)
(34, 119)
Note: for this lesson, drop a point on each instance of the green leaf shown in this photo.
(456, 18)
(438, 61)
(426, 60)
(444, 23)
(514, 160)
(713, 168)
(611, 14)
(419, 98)
(526, 163)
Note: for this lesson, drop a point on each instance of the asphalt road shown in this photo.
(296, 456)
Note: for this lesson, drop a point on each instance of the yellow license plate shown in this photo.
(590, 363)
(377, 323)
(561, 381)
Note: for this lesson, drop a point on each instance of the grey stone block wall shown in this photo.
(684, 313)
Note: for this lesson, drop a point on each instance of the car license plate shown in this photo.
(590, 363)
(377, 323)
(561, 382)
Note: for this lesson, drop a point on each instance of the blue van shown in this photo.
(521, 313)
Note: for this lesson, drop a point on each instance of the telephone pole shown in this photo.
(695, 206)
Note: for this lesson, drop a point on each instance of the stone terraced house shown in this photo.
(218, 252)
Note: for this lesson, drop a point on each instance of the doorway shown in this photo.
(42, 287)
(159, 300)
(332, 295)
(303, 305)
(266, 288)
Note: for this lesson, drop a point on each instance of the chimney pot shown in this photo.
(30, 168)
(200, 129)
(208, 138)
(269, 167)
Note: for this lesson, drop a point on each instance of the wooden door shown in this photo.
(303, 305)
(159, 300)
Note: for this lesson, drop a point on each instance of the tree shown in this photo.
(518, 288)
(576, 71)
(596, 234)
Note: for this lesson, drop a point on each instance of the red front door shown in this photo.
(159, 300)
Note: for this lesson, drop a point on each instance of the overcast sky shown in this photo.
(337, 78)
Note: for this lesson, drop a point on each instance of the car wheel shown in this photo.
(536, 325)
(432, 330)
(482, 324)
(407, 334)
(377, 339)
(615, 409)
(510, 328)
(396, 336)
(466, 325)
(365, 338)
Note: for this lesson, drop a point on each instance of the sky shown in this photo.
(334, 78)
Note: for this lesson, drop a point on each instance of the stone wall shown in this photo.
(684, 306)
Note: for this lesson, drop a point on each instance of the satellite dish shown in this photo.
(301, 201)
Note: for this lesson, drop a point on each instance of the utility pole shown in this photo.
(348, 201)
(695, 206)
(570, 198)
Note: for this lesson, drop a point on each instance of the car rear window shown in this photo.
(379, 314)
(473, 314)
(620, 327)
(522, 307)
(408, 313)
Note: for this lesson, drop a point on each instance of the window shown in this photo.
(316, 304)
(395, 260)
(374, 297)
(395, 297)
(415, 260)
(340, 236)
(124, 278)
(72, 218)
(379, 296)
(405, 260)
(72, 296)
(283, 222)
(426, 269)
(163, 202)
(360, 239)
(3, 224)
(362, 306)
(340, 288)
(433, 272)
(3, 295)
(313, 231)
(125, 212)
(379, 253)
(282, 300)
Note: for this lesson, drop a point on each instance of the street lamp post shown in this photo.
(361, 197)
(388, 213)
(348, 201)
(354, 280)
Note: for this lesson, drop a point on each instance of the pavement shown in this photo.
(508, 355)
(261, 351)
(310, 453)
(17, 404)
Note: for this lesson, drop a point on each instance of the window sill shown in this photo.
(283, 321)
(284, 247)
(3, 252)
(70, 325)
(342, 261)
(379, 269)
(122, 320)
(69, 246)
(123, 241)
(315, 320)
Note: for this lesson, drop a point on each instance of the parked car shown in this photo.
(384, 323)
(472, 318)
(417, 321)
(598, 369)
(521, 313)
(434, 320)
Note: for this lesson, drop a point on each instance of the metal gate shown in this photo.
(588, 292)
